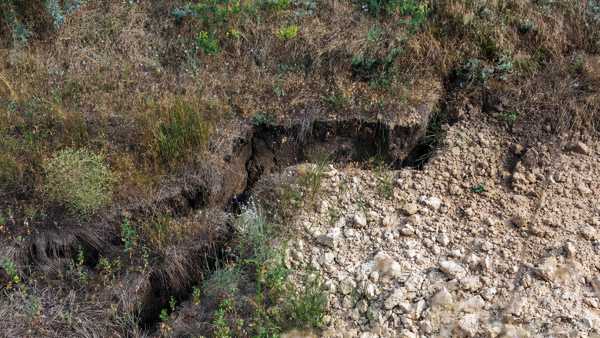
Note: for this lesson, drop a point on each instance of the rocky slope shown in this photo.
(490, 239)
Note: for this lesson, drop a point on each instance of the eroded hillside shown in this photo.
(153, 176)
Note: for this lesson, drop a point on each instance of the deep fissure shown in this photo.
(275, 148)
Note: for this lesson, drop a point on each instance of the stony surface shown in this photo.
(491, 239)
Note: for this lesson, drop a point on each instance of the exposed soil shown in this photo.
(490, 239)
(225, 182)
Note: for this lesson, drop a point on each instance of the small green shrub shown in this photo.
(19, 32)
(79, 179)
(478, 189)
(11, 269)
(56, 12)
(222, 329)
(164, 315)
(288, 32)
(108, 267)
(385, 180)
(510, 117)
(313, 178)
(208, 43)
(375, 70)
(129, 236)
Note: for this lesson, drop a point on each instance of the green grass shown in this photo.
(288, 32)
(278, 304)
(208, 43)
(11, 269)
(183, 131)
(129, 236)
(385, 179)
(510, 117)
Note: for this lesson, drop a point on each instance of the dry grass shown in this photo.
(105, 78)
(111, 77)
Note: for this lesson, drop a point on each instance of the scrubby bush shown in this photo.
(79, 179)
(25, 19)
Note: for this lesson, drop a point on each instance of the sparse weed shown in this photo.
(223, 283)
(473, 72)
(306, 307)
(510, 117)
(525, 66)
(526, 26)
(278, 304)
(287, 32)
(82, 275)
(313, 177)
(11, 269)
(504, 66)
(33, 307)
(196, 295)
(385, 180)
(262, 119)
(334, 214)
(129, 236)
(578, 65)
(222, 329)
(336, 101)
(279, 90)
(108, 268)
(275, 5)
(478, 189)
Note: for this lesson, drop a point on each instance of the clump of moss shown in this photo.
(79, 180)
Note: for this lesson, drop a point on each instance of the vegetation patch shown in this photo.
(256, 296)
(182, 130)
(80, 180)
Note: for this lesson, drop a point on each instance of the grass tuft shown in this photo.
(80, 180)
(182, 131)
